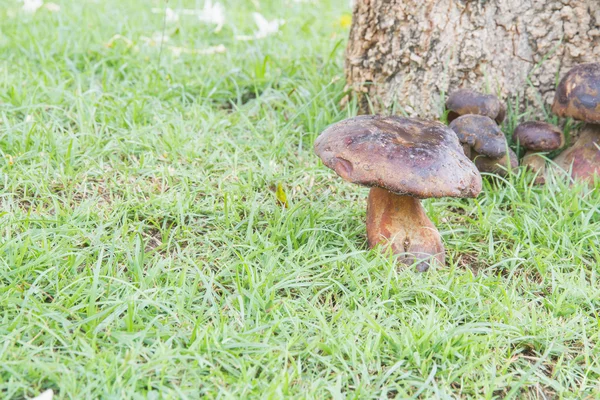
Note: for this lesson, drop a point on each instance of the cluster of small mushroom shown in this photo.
(475, 118)
(404, 160)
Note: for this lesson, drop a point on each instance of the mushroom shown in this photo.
(484, 143)
(403, 160)
(479, 134)
(466, 101)
(498, 166)
(583, 158)
(578, 96)
(538, 137)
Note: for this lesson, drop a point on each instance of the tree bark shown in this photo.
(413, 52)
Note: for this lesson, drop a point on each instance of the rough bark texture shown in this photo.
(409, 52)
(400, 222)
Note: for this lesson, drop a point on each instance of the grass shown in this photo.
(144, 254)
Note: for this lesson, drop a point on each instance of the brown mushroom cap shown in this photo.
(481, 133)
(539, 136)
(578, 94)
(466, 101)
(403, 155)
(498, 166)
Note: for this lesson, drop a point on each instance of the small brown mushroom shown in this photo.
(537, 138)
(466, 101)
(498, 166)
(578, 96)
(583, 158)
(481, 134)
(402, 160)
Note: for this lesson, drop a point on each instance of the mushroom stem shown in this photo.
(536, 164)
(583, 156)
(498, 166)
(400, 222)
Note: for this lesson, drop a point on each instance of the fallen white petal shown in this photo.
(32, 6)
(171, 16)
(265, 28)
(259, 19)
(46, 395)
(213, 14)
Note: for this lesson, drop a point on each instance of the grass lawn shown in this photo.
(144, 254)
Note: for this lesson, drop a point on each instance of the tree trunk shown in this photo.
(413, 52)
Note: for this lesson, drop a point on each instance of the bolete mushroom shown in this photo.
(537, 138)
(583, 158)
(480, 134)
(485, 144)
(466, 101)
(403, 160)
(578, 96)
